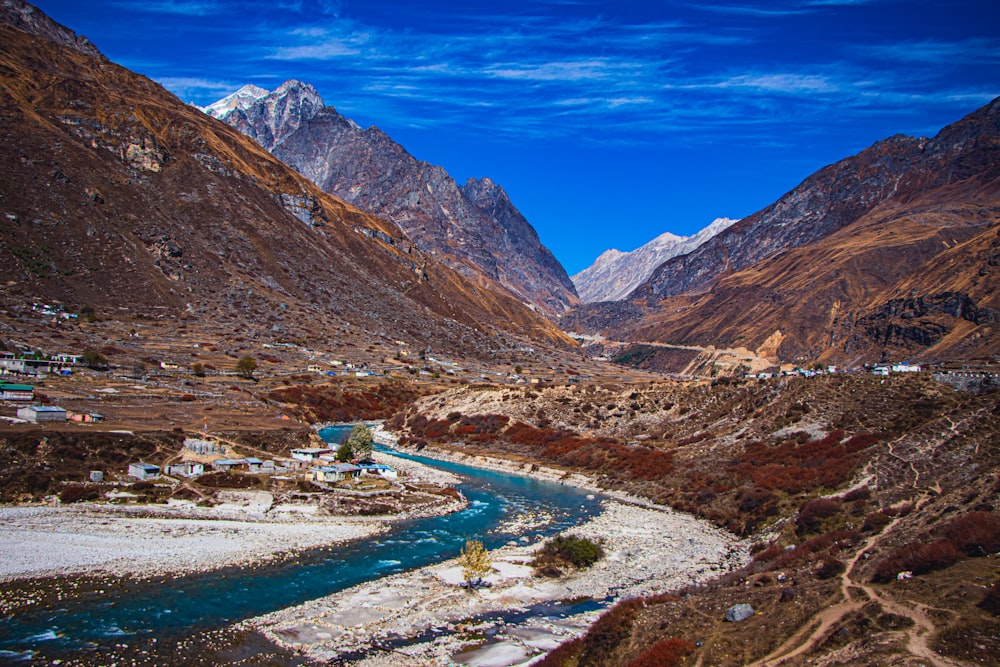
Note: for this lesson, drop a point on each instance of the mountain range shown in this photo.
(120, 198)
(473, 228)
(117, 195)
(891, 253)
(614, 274)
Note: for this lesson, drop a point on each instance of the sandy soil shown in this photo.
(37, 541)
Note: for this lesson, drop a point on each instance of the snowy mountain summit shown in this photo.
(614, 274)
(242, 99)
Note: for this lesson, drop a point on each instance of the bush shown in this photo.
(94, 359)
(74, 493)
(875, 522)
(830, 568)
(569, 550)
(810, 516)
(918, 558)
(975, 533)
(664, 653)
(991, 601)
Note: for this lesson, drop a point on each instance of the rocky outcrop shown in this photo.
(614, 274)
(26, 17)
(474, 228)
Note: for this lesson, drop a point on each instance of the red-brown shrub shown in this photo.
(74, 493)
(875, 522)
(562, 654)
(975, 533)
(664, 653)
(812, 512)
(794, 467)
(604, 636)
(918, 558)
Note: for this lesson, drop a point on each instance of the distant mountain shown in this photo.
(118, 196)
(614, 274)
(240, 100)
(474, 228)
(889, 254)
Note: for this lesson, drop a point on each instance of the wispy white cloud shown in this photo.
(783, 83)
(976, 50)
(180, 7)
(188, 88)
(751, 10)
(527, 74)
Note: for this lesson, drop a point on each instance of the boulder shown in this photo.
(739, 612)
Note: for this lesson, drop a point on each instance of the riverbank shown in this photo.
(182, 537)
(425, 617)
(39, 541)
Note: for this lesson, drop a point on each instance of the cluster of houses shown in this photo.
(881, 370)
(324, 467)
(318, 464)
(57, 364)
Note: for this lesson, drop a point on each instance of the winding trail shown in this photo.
(821, 625)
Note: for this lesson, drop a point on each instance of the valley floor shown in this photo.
(425, 616)
(40, 540)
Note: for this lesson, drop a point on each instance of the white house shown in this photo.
(905, 367)
(310, 453)
(186, 469)
(42, 413)
(143, 470)
(335, 473)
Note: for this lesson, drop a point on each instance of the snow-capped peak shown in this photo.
(242, 99)
(614, 274)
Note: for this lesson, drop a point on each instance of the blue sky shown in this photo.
(608, 123)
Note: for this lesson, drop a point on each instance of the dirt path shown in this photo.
(820, 625)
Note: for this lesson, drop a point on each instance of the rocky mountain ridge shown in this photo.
(119, 197)
(474, 228)
(895, 168)
(863, 262)
(614, 274)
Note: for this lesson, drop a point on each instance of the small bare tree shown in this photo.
(476, 563)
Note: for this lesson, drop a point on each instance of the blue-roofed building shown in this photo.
(336, 472)
(143, 471)
(42, 413)
(380, 469)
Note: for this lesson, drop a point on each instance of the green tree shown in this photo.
(476, 563)
(246, 366)
(344, 452)
(359, 442)
(94, 359)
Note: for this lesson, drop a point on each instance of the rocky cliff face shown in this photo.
(614, 274)
(475, 228)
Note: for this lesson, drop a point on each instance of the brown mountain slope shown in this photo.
(117, 195)
(913, 281)
(913, 276)
(474, 228)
